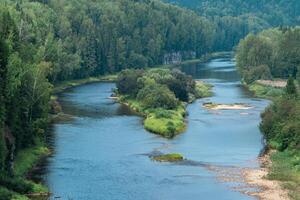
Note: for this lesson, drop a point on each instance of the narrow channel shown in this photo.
(102, 153)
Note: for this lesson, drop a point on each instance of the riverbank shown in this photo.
(279, 176)
(20, 187)
(268, 188)
(266, 89)
(28, 159)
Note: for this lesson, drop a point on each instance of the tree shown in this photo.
(291, 89)
(3, 75)
(127, 82)
(157, 96)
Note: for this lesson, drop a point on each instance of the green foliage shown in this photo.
(18, 185)
(173, 157)
(160, 97)
(263, 91)
(157, 96)
(28, 158)
(291, 89)
(285, 168)
(270, 54)
(127, 82)
(202, 90)
(5, 194)
(280, 123)
(233, 19)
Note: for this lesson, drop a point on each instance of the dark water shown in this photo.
(101, 153)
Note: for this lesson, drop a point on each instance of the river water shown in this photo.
(102, 153)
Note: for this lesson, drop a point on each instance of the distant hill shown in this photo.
(273, 12)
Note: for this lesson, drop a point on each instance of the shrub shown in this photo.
(127, 82)
(16, 184)
(256, 73)
(157, 96)
(163, 114)
(5, 194)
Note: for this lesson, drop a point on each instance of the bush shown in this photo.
(5, 194)
(171, 129)
(127, 82)
(280, 124)
(256, 73)
(157, 96)
(163, 114)
(18, 185)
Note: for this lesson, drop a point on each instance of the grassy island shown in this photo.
(160, 95)
(173, 157)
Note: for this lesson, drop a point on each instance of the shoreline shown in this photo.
(257, 178)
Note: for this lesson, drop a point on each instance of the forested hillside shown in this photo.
(45, 42)
(234, 19)
(273, 53)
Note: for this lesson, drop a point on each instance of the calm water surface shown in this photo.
(101, 153)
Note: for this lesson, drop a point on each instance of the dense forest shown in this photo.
(234, 19)
(273, 53)
(45, 42)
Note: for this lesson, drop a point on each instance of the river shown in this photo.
(102, 153)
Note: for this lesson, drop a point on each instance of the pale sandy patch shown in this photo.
(213, 106)
(268, 189)
(277, 83)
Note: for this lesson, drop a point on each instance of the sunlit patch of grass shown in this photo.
(166, 123)
(286, 168)
(26, 159)
(263, 91)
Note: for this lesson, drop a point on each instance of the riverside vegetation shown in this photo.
(47, 42)
(274, 54)
(161, 96)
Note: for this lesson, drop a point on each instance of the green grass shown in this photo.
(263, 91)
(26, 159)
(18, 185)
(174, 157)
(286, 169)
(166, 123)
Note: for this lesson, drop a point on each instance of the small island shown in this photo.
(173, 157)
(161, 96)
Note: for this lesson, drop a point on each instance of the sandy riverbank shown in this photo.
(213, 106)
(268, 189)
